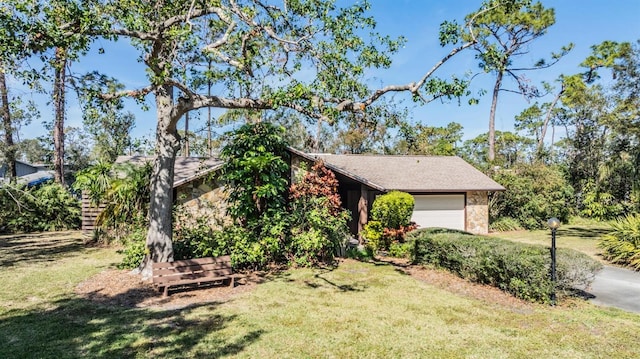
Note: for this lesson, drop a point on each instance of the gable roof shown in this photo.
(410, 173)
(186, 169)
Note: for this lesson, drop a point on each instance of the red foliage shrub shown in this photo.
(319, 182)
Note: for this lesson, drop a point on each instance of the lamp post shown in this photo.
(553, 223)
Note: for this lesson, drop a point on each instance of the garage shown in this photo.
(440, 210)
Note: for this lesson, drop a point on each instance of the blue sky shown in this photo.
(585, 23)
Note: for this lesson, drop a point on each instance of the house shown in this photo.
(194, 178)
(448, 191)
(195, 186)
(29, 174)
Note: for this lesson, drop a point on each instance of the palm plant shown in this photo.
(622, 244)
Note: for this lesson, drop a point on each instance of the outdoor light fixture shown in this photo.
(554, 224)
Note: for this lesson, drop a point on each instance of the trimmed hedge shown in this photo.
(520, 269)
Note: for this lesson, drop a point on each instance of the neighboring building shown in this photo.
(30, 174)
(448, 191)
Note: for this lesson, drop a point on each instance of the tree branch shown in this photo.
(127, 93)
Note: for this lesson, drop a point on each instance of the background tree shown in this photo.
(428, 140)
(13, 36)
(505, 35)
(511, 149)
(602, 127)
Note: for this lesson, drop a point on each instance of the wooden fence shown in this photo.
(90, 213)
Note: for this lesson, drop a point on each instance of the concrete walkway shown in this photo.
(617, 287)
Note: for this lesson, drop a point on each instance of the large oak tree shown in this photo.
(308, 57)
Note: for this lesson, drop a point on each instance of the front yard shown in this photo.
(376, 310)
(583, 236)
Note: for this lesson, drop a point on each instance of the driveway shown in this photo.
(617, 287)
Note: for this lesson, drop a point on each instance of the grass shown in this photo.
(356, 310)
(581, 235)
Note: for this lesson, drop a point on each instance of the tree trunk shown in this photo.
(492, 118)
(10, 149)
(186, 134)
(60, 64)
(546, 123)
(159, 237)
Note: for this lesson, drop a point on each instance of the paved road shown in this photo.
(617, 287)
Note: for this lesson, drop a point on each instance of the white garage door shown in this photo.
(446, 211)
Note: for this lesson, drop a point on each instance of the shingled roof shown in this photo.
(411, 173)
(185, 169)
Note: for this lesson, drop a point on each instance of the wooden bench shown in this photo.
(192, 271)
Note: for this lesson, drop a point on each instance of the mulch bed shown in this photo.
(122, 288)
(125, 289)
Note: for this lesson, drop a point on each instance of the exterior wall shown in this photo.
(477, 220)
(299, 167)
(22, 169)
(204, 196)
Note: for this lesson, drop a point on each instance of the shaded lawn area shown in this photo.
(583, 236)
(356, 310)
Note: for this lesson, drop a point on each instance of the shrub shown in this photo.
(622, 244)
(318, 222)
(393, 209)
(48, 207)
(534, 193)
(400, 250)
(135, 249)
(255, 170)
(520, 269)
(505, 224)
(373, 233)
(599, 205)
(390, 220)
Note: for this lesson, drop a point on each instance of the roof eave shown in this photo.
(339, 170)
(448, 190)
(197, 175)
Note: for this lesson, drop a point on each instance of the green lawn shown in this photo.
(581, 235)
(357, 310)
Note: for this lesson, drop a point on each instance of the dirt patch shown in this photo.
(124, 289)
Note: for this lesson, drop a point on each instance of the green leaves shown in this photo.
(450, 33)
(622, 244)
(256, 171)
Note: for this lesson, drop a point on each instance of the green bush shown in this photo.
(520, 269)
(390, 220)
(393, 209)
(400, 250)
(622, 244)
(48, 207)
(599, 205)
(316, 233)
(373, 232)
(135, 249)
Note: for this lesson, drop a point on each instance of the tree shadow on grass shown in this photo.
(39, 247)
(342, 287)
(585, 233)
(97, 328)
